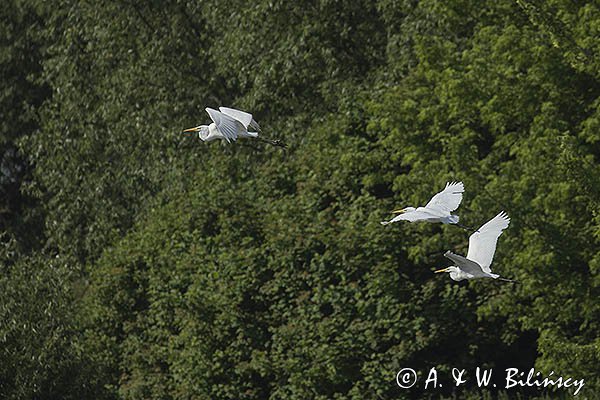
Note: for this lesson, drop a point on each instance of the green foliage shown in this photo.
(41, 352)
(22, 90)
(568, 25)
(176, 269)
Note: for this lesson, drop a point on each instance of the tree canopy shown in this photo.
(138, 263)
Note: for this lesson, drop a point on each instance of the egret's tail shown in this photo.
(252, 134)
(452, 219)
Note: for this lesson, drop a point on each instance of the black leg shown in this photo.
(507, 280)
(274, 142)
(466, 228)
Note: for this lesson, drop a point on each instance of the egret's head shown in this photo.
(403, 210)
(202, 131)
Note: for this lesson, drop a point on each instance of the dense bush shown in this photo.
(177, 269)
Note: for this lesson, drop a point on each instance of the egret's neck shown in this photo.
(457, 276)
(203, 132)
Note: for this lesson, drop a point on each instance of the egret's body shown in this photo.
(228, 124)
(482, 246)
(439, 208)
(208, 133)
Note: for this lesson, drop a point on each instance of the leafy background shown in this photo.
(137, 263)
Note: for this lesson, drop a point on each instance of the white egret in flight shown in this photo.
(482, 246)
(229, 124)
(438, 209)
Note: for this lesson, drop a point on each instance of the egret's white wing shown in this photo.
(482, 244)
(410, 216)
(227, 125)
(448, 199)
(242, 116)
(466, 265)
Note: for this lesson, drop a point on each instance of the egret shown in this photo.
(438, 209)
(482, 246)
(229, 124)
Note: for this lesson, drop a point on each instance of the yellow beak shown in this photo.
(440, 270)
(191, 130)
(398, 211)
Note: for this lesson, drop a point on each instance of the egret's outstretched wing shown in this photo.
(482, 244)
(466, 265)
(448, 199)
(227, 125)
(242, 116)
(410, 216)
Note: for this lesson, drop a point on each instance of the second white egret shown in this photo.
(439, 208)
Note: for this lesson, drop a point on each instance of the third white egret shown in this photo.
(482, 246)
(438, 209)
